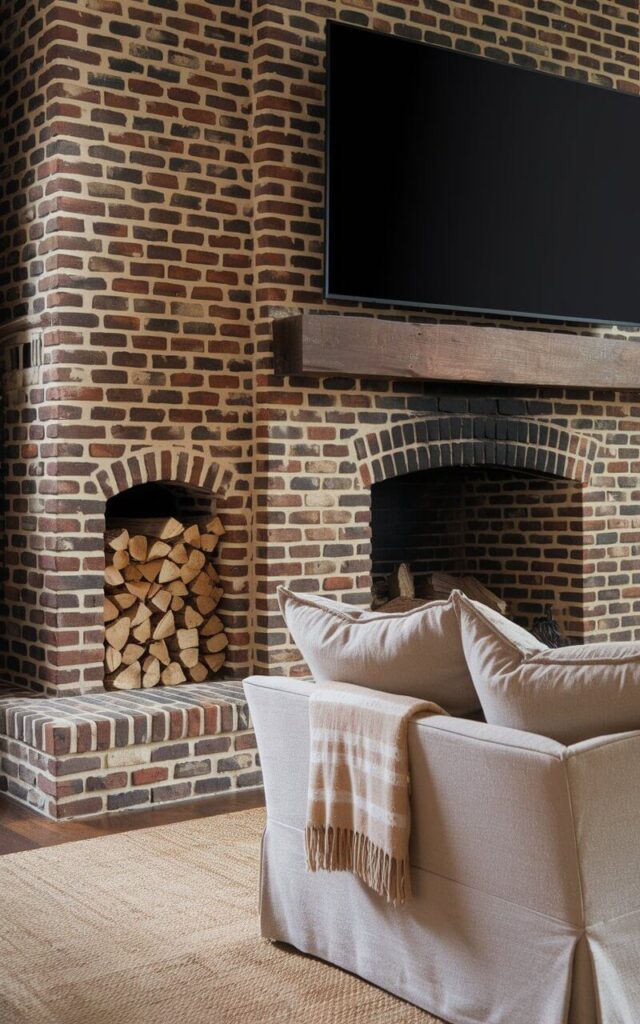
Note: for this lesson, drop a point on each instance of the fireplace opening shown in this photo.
(520, 534)
(162, 588)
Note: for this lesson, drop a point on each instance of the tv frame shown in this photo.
(405, 303)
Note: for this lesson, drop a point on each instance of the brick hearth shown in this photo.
(76, 756)
(161, 203)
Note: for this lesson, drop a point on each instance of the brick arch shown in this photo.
(174, 465)
(442, 441)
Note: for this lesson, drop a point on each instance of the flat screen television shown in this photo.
(460, 183)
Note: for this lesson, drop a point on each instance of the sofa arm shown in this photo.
(604, 780)
(491, 811)
(280, 717)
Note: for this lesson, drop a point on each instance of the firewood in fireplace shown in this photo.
(439, 585)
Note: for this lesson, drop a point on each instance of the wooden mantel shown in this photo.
(317, 345)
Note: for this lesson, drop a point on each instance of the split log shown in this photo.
(179, 555)
(215, 661)
(171, 528)
(131, 653)
(205, 604)
(159, 650)
(138, 588)
(212, 626)
(118, 634)
(113, 659)
(187, 638)
(162, 600)
(166, 627)
(118, 540)
(120, 559)
(112, 576)
(151, 570)
(142, 614)
(192, 618)
(142, 633)
(128, 678)
(202, 585)
(168, 571)
(111, 610)
(138, 547)
(151, 674)
(217, 643)
(173, 674)
(177, 588)
(190, 657)
(158, 549)
(199, 672)
(192, 536)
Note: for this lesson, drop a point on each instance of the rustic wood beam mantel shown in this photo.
(319, 345)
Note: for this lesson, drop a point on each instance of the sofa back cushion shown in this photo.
(416, 652)
(569, 693)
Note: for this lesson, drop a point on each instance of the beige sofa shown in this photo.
(526, 871)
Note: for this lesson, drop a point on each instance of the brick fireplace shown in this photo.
(161, 205)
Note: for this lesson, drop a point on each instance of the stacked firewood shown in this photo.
(161, 594)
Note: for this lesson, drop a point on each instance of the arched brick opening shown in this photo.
(443, 441)
(217, 477)
(207, 487)
(496, 498)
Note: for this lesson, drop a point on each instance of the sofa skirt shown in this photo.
(463, 955)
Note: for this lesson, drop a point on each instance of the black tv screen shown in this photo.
(455, 182)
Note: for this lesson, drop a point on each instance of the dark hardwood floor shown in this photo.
(22, 829)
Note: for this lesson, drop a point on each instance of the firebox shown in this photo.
(519, 533)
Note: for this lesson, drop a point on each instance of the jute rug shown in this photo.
(160, 926)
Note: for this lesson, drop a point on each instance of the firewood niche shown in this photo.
(161, 595)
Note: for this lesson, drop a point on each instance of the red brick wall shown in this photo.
(129, 252)
(164, 202)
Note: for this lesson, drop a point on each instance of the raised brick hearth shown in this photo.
(73, 757)
(160, 204)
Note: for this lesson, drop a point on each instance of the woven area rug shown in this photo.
(161, 925)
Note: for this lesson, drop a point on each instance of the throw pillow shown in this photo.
(566, 693)
(417, 652)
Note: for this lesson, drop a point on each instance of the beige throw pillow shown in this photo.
(569, 693)
(417, 653)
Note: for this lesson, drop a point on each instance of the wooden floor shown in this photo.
(22, 829)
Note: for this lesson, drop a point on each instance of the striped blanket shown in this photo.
(358, 811)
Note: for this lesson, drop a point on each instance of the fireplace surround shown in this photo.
(161, 208)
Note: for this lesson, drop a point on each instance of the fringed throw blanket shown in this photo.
(358, 811)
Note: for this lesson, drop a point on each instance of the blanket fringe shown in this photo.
(340, 849)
